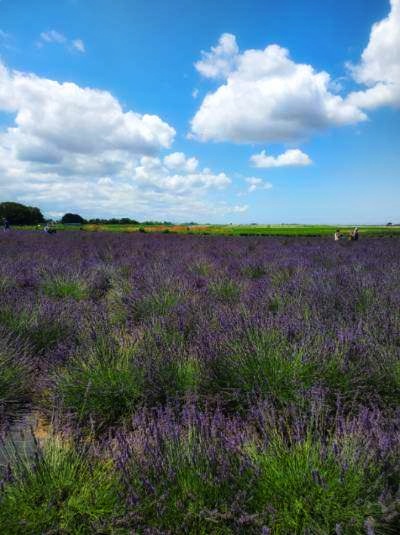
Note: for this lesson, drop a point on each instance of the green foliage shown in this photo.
(349, 377)
(41, 332)
(115, 306)
(311, 489)
(281, 276)
(225, 291)
(254, 272)
(61, 491)
(190, 496)
(103, 384)
(202, 268)
(365, 300)
(177, 378)
(68, 219)
(274, 303)
(15, 375)
(63, 288)
(262, 364)
(19, 214)
(156, 304)
(171, 373)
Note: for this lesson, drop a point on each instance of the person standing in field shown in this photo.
(354, 234)
(6, 224)
(337, 235)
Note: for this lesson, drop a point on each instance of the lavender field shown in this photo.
(172, 384)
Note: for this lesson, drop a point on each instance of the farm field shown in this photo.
(235, 230)
(181, 384)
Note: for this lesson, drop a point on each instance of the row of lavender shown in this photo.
(202, 384)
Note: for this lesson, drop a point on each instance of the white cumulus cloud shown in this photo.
(257, 183)
(266, 97)
(70, 148)
(221, 60)
(56, 119)
(152, 172)
(379, 68)
(177, 161)
(291, 157)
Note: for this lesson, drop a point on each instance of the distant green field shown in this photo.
(235, 230)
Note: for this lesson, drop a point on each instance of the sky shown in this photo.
(253, 111)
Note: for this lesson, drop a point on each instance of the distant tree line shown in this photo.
(72, 219)
(114, 221)
(19, 214)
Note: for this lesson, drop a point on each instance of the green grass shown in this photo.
(40, 332)
(103, 384)
(255, 272)
(290, 485)
(261, 365)
(176, 379)
(225, 291)
(15, 375)
(63, 288)
(311, 489)
(188, 495)
(59, 491)
(156, 304)
(240, 230)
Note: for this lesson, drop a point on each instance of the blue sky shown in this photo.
(246, 111)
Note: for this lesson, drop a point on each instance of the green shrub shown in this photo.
(156, 304)
(60, 491)
(62, 288)
(41, 332)
(104, 384)
(177, 377)
(115, 305)
(376, 377)
(225, 291)
(254, 272)
(281, 276)
(311, 489)
(202, 268)
(191, 492)
(15, 375)
(171, 373)
(264, 365)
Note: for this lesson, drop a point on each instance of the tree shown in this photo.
(72, 218)
(19, 214)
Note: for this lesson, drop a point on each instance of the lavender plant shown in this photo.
(225, 384)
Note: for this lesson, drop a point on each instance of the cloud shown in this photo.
(5, 39)
(79, 45)
(71, 148)
(177, 161)
(239, 209)
(64, 118)
(195, 93)
(257, 183)
(221, 60)
(155, 173)
(266, 97)
(291, 157)
(53, 36)
(379, 68)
